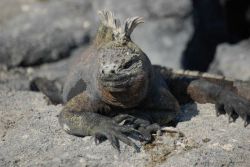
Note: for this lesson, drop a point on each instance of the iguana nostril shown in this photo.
(102, 71)
(112, 71)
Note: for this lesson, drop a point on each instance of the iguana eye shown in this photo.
(128, 64)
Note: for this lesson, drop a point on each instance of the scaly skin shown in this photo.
(114, 92)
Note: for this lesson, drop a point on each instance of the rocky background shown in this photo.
(40, 37)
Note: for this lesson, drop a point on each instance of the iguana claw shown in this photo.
(144, 126)
(233, 105)
(115, 133)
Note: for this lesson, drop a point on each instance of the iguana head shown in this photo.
(124, 70)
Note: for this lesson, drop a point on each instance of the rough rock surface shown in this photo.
(19, 78)
(43, 31)
(37, 31)
(31, 136)
(233, 60)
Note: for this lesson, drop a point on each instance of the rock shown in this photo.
(31, 136)
(15, 79)
(20, 78)
(215, 22)
(169, 8)
(40, 31)
(232, 60)
(13, 8)
(44, 31)
(167, 26)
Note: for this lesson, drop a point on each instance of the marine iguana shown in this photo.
(113, 91)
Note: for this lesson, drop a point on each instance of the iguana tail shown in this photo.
(50, 88)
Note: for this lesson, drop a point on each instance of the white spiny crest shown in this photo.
(108, 19)
(131, 23)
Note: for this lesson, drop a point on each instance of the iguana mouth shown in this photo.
(117, 84)
(126, 92)
(120, 83)
(115, 78)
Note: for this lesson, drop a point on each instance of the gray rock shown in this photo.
(38, 31)
(232, 60)
(44, 31)
(20, 78)
(31, 136)
(169, 8)
(13, 8)
(15, 79)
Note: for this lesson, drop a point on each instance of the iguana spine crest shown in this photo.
(108, 19)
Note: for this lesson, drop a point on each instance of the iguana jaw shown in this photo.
(121, 83)
(126, 94)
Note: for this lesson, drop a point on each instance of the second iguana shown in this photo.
(113, 91)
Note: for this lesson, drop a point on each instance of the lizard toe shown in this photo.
(232, 115)
(114, 141)
(219, 108)
(235, 106)
(131, 132)
(122, 119)
(246, 120)
(99, 138)
(122, 137)
(148, 131)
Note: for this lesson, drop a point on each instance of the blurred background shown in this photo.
(39, 37)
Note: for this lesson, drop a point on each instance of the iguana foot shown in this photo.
(114, 132)
(99, 126)
(147, 132)
(145, 127)
(226, 101)
(234, 105)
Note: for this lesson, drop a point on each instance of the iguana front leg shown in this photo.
(159, 108)
(81, 117)
(226, 101)
(204, 88)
